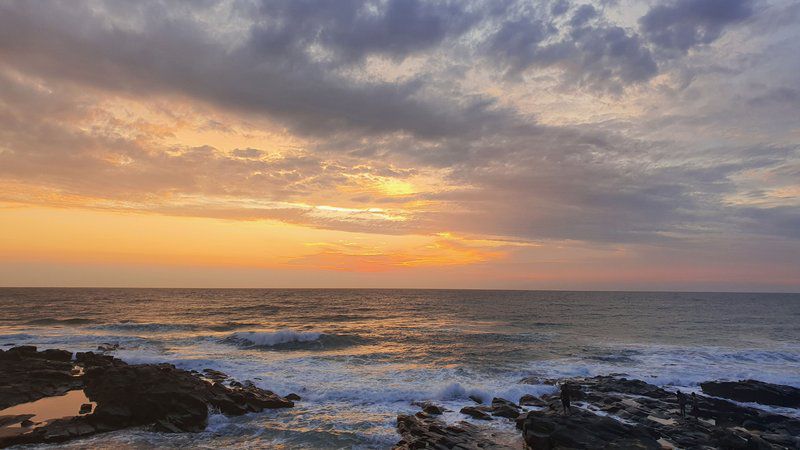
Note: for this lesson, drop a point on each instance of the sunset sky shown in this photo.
(482, 144)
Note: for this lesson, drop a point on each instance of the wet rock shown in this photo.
(653, 411)
(217, 376)
(22, 351)
(27, 375)
(433, 409)
(505, 408)
(475, 413)
(14, 419)
(626, 386)
(91, 359)
(531, 400)
(107, 347)
(754, 392)
(132, 395)
(476, 399)
(55, 355)
(547, 430)
(293, 397)
(620, 413)
(425, 432)
(157, 395)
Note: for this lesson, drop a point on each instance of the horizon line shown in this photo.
(643, 291)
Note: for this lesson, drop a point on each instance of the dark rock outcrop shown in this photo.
(476, 412)
(582, 429)
(611, 412)
(621, 413)
(505, 408)
(755, 392)
(157, 395)
(531, 400)
(27, 375)
(499, 407)
(423, 431)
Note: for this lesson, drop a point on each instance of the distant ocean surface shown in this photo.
(360, 357)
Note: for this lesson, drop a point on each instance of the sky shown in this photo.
(499, 144)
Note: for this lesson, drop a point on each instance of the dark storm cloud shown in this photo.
(683, 24)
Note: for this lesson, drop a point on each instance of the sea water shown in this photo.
(360, 357)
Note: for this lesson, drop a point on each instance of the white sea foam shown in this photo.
(273, 338)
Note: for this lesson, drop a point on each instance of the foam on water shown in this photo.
(356, 372)
(292, 340)
(272, 338)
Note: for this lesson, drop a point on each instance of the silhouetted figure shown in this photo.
(695, 407)
(565, 398)
(682, 403)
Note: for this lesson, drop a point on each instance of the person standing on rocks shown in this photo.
(682, 403)
(695, 406)
(565, 398)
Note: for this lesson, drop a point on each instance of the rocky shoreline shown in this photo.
(608, 412)
(122, 395)
(616, 413)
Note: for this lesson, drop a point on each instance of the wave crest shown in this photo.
(291, 340)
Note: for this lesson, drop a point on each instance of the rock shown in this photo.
(619, 413)
(23, 351)
(106, 347)
(652, 410)
(424, 432)
(27, 375)
(217, 376)
(55, 355)
(476, 399)
(11, 420)
(293, 397)
(584, 430)
(504, 408)
(91, 359)
(626, 386)
(433, 409)
(133, 395)
(754, 391)
(531, 400)
(156, 395)
(475, 413)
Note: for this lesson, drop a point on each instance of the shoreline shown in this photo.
(608, 411)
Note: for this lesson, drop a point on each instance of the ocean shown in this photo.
(360, 357)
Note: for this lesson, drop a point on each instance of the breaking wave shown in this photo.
(292, 340)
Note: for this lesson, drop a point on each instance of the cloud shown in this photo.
(373, 93)
(683, 24)
(351, 30)
(270, 70)
(599, 55)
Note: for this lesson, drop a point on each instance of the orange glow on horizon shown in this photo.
(86, 236)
